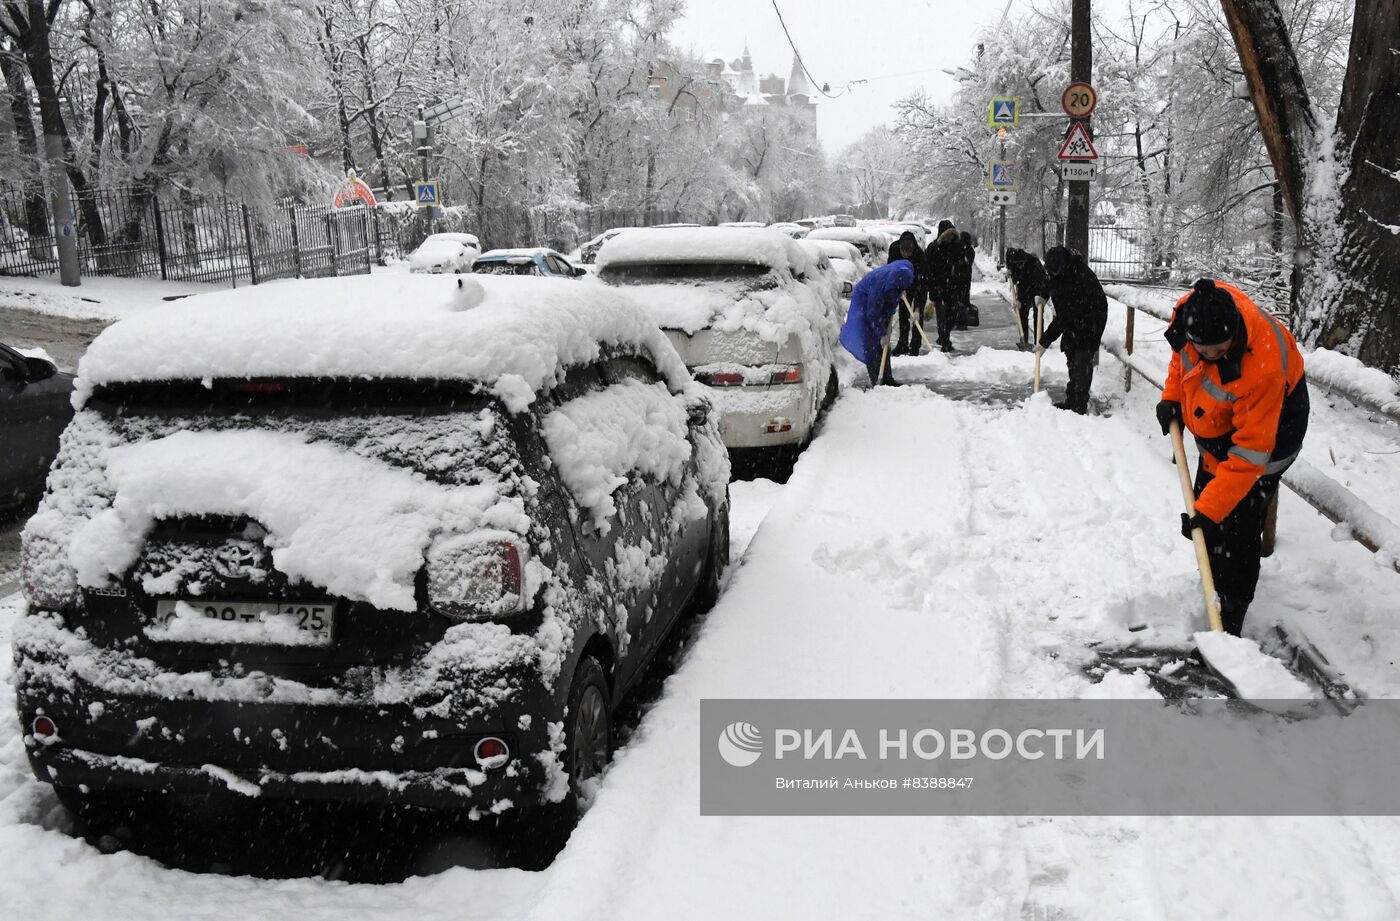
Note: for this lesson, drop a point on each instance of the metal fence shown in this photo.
(131, 232)
(180, 236)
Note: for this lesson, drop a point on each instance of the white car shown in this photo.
(445, 253)
(846, 262)
(873, 244)
(750, 315)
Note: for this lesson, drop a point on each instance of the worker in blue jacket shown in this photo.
(873, 302)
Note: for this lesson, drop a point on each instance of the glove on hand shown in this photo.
(1039, 349)
(1167, 410)
(1192, 523)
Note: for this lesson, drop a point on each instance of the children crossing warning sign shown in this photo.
(1077, 145)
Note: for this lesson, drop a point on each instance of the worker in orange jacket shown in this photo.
(1236, 383)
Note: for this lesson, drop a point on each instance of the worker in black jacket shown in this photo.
(907, 247)
(1028, 282)
(1081, 312)
(941, 261)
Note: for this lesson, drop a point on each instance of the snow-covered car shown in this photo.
(394, 539)
(872, 245)
(34, 408)
(796, 231)
(445, 252)
(748, 313)
(589, 251)
(846, 261)
(533, 261)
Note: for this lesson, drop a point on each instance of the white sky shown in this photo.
(844, 40)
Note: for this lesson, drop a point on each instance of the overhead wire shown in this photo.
(823, 88)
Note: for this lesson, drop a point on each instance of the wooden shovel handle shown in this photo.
(1198, 537)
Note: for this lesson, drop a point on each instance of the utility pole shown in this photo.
(1001, 218)
(422, 134)
(1081, 70)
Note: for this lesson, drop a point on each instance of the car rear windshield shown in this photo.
(653, 272)
(505, 268)
(445, 430)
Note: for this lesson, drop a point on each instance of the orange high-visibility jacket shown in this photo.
(1233, 407)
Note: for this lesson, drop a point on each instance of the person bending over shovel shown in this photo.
(873, 301)
(1236, 383)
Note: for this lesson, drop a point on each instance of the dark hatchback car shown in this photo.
(35, 405)
(428, 582)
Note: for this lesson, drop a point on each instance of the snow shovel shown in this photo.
(1039, 331)
(913, 318)
(884, 355)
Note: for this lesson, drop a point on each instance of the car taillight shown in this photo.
(720, 378)
(788, 374)
(477, 577)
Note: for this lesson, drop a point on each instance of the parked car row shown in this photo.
(401, 539)
(393, 539)
(458, 253)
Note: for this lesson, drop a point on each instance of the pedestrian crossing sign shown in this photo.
(426, 192)
(1000, 177)
(1004, 110)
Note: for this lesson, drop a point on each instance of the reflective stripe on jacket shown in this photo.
(1238, 407)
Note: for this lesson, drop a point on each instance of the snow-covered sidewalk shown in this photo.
(923, 548)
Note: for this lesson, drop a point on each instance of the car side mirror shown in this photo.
(579, 271)
(698, 413)
(39, 369)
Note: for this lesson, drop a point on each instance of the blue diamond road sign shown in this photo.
(1002, 111)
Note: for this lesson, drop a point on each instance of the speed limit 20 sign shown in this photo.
(1079, 100)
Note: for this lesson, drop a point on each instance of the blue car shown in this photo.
(538, 261)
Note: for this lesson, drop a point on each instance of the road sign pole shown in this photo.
(1001, 220)
(1081, 69)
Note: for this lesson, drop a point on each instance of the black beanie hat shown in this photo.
(944, 225)
(1209, 315)
(1056, 260)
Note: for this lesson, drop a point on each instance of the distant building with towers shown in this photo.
(736, 88)
(746, 90)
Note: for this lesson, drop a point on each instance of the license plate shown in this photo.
(259, 623)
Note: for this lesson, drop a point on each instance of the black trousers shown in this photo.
(943, 311)
(1235, 546)
(1081, 376)
(909, 341)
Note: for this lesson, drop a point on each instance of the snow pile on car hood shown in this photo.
(510, 334)
(852, 235)
(746, 245)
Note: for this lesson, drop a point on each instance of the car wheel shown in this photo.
(833, 389)
(534, 842)
(587, 729)
(716, 560)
